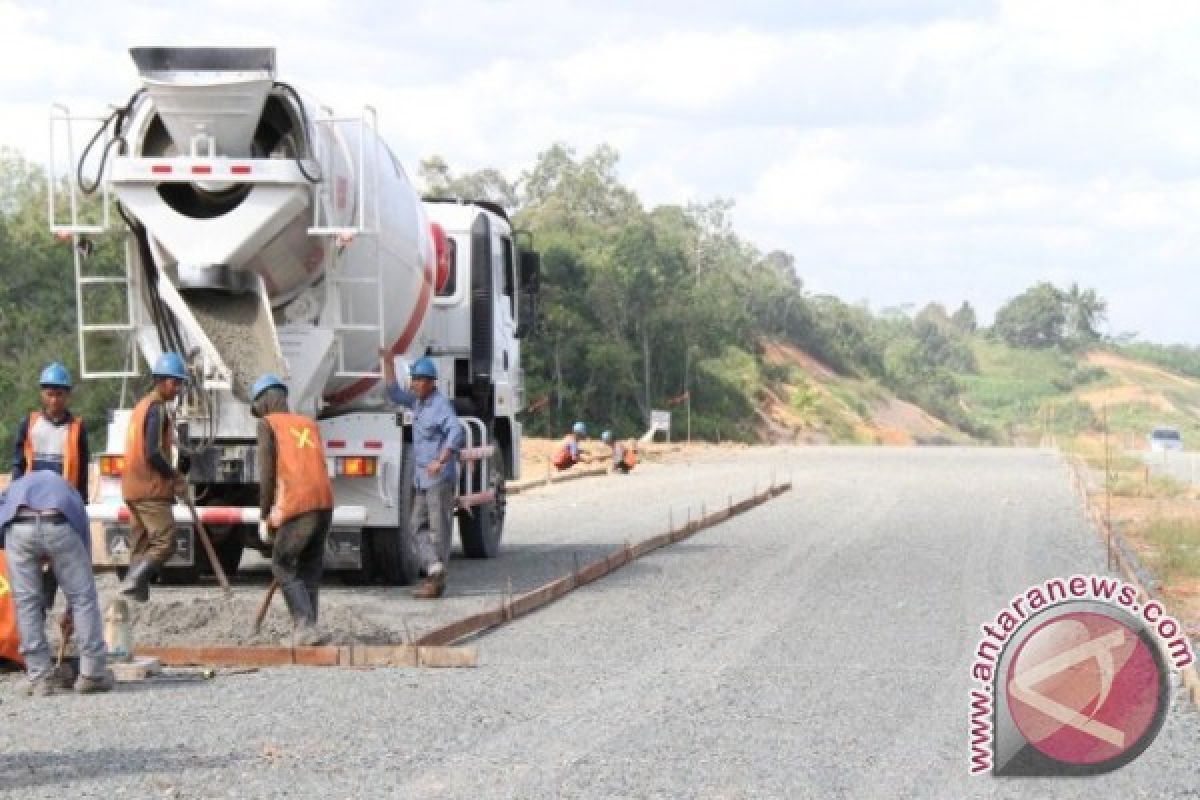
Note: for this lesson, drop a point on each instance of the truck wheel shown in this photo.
(481, 528)
(390, 550)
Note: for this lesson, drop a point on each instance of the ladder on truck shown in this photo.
(77, 213)
(329, 196)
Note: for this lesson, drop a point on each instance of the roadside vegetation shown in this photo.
(668, 307)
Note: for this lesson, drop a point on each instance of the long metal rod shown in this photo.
(202, 532)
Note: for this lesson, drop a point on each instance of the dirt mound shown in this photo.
(1120, 364)
(784, 353)
(230, 621)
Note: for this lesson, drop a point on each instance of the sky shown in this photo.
(904, 152)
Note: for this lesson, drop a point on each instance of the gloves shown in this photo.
(180, 486)
(264, 531)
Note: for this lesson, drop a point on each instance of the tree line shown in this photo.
(642, 308)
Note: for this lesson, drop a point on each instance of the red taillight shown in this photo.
(240, 169)
(202, 169)
(335, 444)
(161, 169)
(112, 466)
(356, 466)
(373, 444)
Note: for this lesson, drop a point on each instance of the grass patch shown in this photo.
(1136, 484)
(1178, 544)
(1013, 387)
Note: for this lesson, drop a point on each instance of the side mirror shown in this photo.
(531, 271)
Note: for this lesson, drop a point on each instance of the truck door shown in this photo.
(504, 262)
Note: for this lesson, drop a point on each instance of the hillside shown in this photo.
(811, 404)
(1020, 396)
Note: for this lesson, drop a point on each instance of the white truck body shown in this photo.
(266, 234)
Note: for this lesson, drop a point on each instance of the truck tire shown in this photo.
(481, 528)
(390, 550)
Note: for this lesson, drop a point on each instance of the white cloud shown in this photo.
(904, 151)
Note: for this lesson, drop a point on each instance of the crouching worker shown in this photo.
(296, 503)
(624, 454)
(569, 453)
(44, 517)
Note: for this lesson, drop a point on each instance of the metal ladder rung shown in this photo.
(90, 279)
(355, 281)
(357, 328)
(106, 327)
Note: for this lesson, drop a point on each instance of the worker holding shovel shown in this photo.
(149, 482)
(296, 502)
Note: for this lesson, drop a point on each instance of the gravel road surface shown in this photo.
(818, 646)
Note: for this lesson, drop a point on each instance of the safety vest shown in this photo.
(562, 457)
(47, 442)
(301, 479)
(10, 637)
(630, 458)
(140, 480)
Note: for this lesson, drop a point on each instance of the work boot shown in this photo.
(299, 603)
(314, 600)
(137, 581)
(308, 636)
(90, 684)
(434, 584)
(43, 687)
(64, 676)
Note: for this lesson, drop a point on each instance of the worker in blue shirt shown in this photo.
(437, 438)
(43, 517)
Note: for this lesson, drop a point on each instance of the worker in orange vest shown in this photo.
(296, 503)
(53, 439)
(569, 454)
(149, 482)
(624, 454)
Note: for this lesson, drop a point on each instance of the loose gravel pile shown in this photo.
(230, 621)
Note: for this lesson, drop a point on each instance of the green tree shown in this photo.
(964, 319)
(1033, 319)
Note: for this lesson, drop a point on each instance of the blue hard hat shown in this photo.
(424, 368)
(55, 375)
(170, 365)
(606, 436)
(579, 428)
(266, 381)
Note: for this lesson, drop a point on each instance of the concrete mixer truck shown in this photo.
(263, 233)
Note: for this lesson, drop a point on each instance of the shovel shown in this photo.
(202, 532)
(266, 603)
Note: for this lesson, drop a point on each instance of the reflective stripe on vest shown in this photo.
(50, 443)
(140, 480)
(301, 478)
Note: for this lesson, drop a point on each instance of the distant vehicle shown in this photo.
(1164, 439)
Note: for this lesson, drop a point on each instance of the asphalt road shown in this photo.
(818, 646)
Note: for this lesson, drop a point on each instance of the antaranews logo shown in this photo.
(1073, 679)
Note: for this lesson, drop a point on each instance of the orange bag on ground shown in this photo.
(10, 638)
